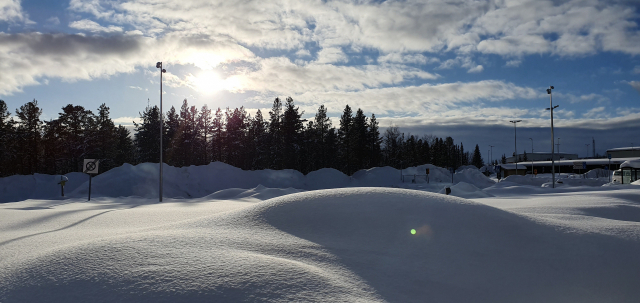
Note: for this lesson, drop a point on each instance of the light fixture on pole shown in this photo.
(162, 70)
(553, 167)
(531, 156)
(515, 143)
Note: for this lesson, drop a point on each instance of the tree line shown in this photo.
(191, 136)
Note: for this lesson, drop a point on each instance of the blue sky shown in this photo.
(445, 68)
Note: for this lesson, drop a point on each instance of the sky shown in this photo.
(435, 67)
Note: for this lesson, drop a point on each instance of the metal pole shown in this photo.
(90, 177)
(159, 65)
(531, 156)
(515, 143)
(553, 167)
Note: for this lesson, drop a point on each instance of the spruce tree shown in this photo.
(476, 160)
(275, 135)
(292, 128)
(344, 140)
(147, 136)
(8, 148)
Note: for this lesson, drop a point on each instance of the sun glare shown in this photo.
(208, 82)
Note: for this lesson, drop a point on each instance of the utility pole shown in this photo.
(515, 143)
(553, 167)
(162, 71)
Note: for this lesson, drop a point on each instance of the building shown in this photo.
(624, 152)
(543, 157)
(566, 166)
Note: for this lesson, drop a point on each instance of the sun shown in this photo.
(208, 82)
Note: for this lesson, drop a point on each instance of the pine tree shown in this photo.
(29, 136)
(320, 132)
(217, 135)
(258, 142)
(503, 160)
(8, 148)
(147, 136)
(476, 160)
(105, 139)
(292, 128)
(344, 140)
(171, 138)
(275, 135)
(125, 149)
(359, 141)
(374, 142)
(204, 129)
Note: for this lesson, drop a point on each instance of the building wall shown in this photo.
(624, 153)
(544, 157)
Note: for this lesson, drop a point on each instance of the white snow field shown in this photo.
(227, 235)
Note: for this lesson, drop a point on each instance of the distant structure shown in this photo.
(543, 157)
(624, 152)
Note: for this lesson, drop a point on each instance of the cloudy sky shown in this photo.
(460, 68)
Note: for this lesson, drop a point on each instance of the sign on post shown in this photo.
(609, 156)
(584, 165)
(535, 172)
(91, 168)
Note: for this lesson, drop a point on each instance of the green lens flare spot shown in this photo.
(413, 231)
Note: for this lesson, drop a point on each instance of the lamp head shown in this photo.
(159, 65)
(548, 91)
(164, 70)
(551, 87)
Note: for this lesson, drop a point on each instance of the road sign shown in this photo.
(584, 165)
(535, 172)
(609, 156)
(90, 166)
(427, 171)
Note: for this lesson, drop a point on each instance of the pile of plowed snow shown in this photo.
(200, 181)
(355, 244)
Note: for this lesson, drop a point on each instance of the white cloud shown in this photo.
(28, 57)
(635, 84)
(280, 75)
(476, 69)
(636, 70)
(594, 113)
(404, 58)
(331, 55)
(92, 26)
(53, 21)
(11, 11)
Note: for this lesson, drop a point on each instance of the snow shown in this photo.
(224, 234)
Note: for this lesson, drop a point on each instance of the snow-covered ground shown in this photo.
(226, 235)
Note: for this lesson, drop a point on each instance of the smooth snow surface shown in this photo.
(242, 239)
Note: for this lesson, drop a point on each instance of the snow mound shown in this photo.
(466, 190)
(473, 176)
(37, 186)
(351, 244)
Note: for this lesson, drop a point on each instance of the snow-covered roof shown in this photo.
(631, 163)
(623, 149)
(604, 161)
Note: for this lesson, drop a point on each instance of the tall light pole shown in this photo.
(553, 167)
(491, 155)
(531, 156)
(162, 70)
(515, 142)
(587, 150)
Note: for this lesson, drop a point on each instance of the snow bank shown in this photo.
(351, 244)
(466, 190)
(201, 181)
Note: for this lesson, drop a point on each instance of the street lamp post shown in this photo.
(531, 156)
(162, 70)
(587, 150)
(515, 143)
(491, 155)
(553, 167)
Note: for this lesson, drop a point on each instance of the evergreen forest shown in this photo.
(279, 139)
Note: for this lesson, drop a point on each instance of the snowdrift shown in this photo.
(351, 244)
(200, 181)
